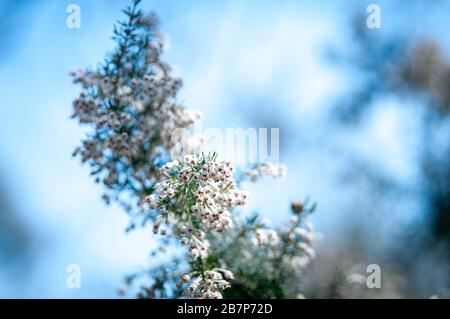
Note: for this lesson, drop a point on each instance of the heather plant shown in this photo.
(140, 145)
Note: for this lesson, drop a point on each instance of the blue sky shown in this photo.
(236, 58)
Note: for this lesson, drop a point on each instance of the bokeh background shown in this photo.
(363, 116)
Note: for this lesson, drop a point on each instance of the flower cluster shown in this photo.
(265, 237)
(198, 192)
(297, 238)
(209, 284)
(129, 104)
(195, 197)
(269, 254)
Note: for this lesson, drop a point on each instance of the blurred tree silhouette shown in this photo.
(426, 71)
(374, 57)
(417, 70)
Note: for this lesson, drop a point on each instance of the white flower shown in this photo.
(299, 262)
(123, 90)
(186, 277)
(169, 165)
(307, 249)
(265, 236)
(138, 105)
(304, 234)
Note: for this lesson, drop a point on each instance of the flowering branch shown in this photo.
(135, 126)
